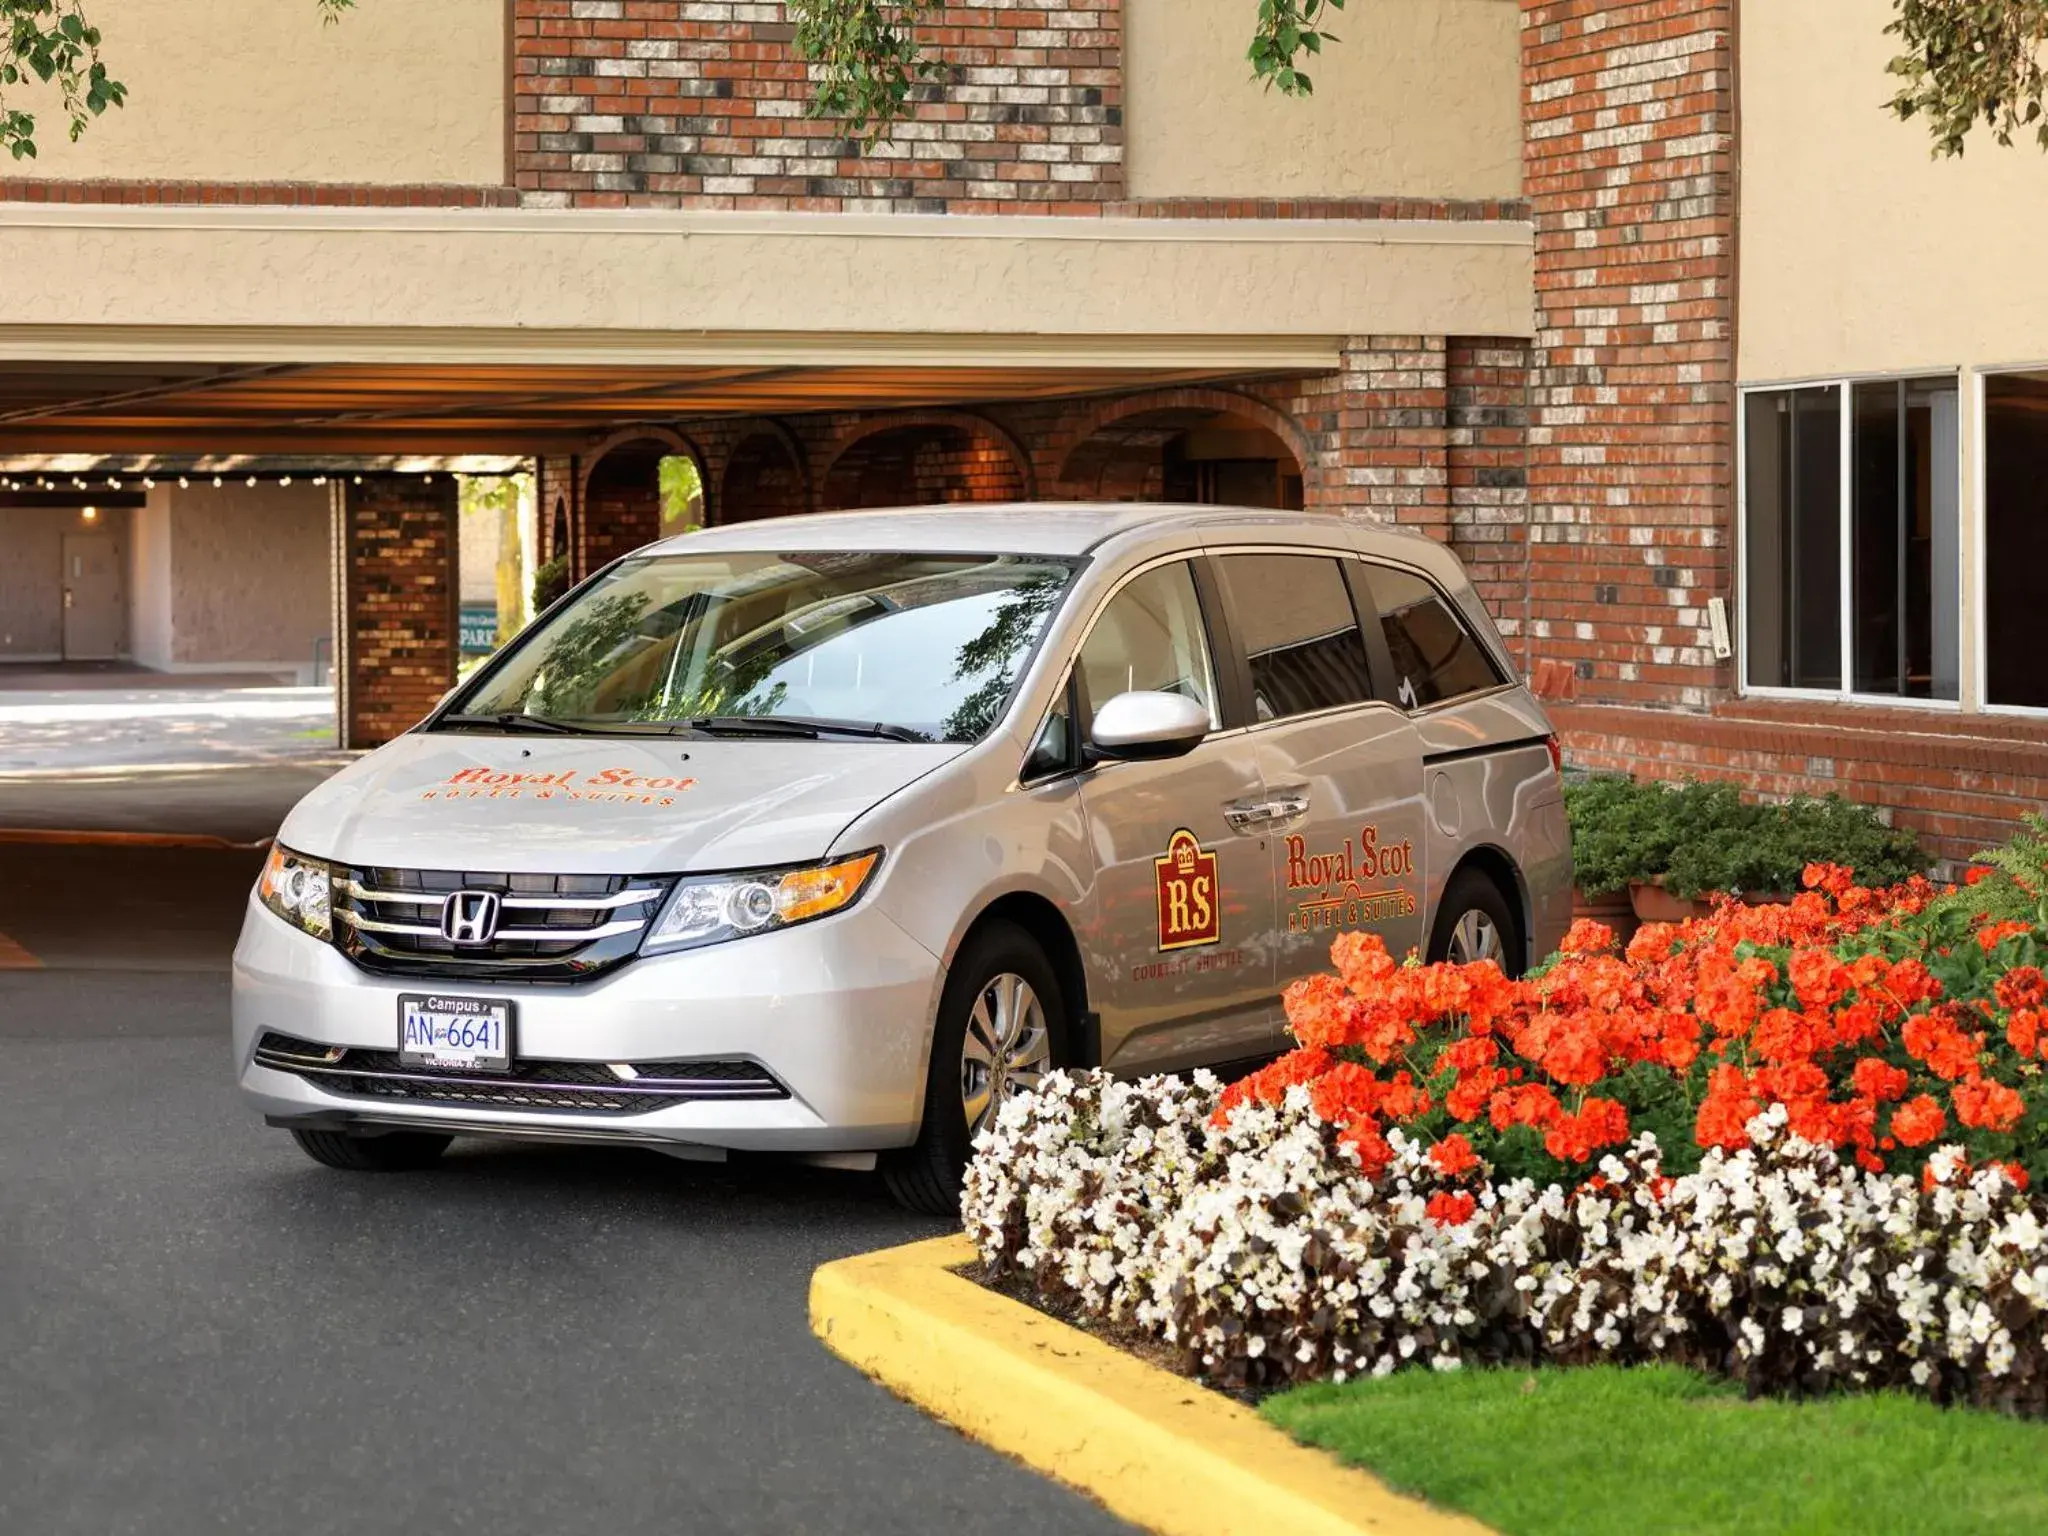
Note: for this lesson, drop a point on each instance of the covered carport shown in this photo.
(382, 445)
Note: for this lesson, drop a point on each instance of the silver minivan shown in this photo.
(819, 836)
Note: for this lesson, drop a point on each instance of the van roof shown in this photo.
(1023, 528)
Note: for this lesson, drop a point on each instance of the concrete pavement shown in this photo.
(200, 1329)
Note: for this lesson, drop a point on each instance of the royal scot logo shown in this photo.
(1189, 911)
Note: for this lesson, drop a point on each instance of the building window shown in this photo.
(2015, 537)
(1859, 564)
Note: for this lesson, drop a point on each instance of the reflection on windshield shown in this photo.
(929, 644)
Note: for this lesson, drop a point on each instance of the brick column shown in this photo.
(1391, 424)
(396, 630)
(1488, 465)
(1628, 167)
(556, 490)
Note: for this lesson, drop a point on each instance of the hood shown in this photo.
(598, 805)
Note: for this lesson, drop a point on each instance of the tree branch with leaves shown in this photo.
(1969, 62)
(51, 43)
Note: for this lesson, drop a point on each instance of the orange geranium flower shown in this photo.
(1453, 1157)
(1450, 1207)
(1880, 1080)
(1918, 1121)
(1725, 1113)
(2021, 987)
(1988, 1104)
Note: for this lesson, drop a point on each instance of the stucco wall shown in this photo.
(587, 274)
(31, 594)
(1419, 98)
(1859, 252)
(260, 90)
(249, 574)
(149, 579)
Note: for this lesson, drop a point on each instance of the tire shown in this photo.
(1472, 907)
(925, 1176)
(398, 1152)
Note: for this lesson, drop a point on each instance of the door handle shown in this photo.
(1245, 815)
(1252, 815)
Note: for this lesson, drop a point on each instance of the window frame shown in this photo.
(1362, 615)
(1976, 679)
(1072, 690)
(1969, 519)
(1505, 677)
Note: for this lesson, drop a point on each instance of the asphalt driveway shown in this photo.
(201, 1330)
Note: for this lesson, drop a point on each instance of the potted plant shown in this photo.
(1671, 847)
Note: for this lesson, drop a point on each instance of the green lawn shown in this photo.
(1608, 1452)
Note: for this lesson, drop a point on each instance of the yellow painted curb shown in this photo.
(1155, 1448)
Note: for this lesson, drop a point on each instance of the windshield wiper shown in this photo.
(515, 723)
(803, 727)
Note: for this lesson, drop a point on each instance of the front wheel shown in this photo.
(398, 1152)
(1473, 922)
(1001, 1024)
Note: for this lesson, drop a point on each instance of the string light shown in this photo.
(148, 484)
(114, 481)
(216, 482)
(184, 483)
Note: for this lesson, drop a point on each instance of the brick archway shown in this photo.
(765, 473)
(1120, 451)
(935, 456)
(619, 490)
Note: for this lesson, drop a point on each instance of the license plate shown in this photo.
(473, 1034)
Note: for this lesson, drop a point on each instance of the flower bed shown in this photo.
(1719, 1149)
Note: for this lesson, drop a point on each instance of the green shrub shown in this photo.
(1699, 838)
(2010, 883)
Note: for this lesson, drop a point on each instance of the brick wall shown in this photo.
(1486, 463)
(395, 585)
(1960, 782)
(1628, 168)
(668, 102)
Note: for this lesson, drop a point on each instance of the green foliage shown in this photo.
(2010, 883)
(1972, 61)
(550, 582)
(1701, 838)
(1602, 1451)
(682, 494)
(50, 42)
(1286, 30)
(864, 58)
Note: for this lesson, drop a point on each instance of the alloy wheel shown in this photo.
(1474, 938)
(1006, 1050)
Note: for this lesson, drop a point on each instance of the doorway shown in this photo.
(93, 605)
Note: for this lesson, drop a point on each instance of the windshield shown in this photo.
(926, 647)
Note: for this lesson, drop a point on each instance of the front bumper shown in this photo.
(838, 1011)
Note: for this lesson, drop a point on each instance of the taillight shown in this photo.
(1556, 754)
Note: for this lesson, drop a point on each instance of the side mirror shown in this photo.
(1143, 726)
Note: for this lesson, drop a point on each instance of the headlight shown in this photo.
(296, 889)
(715, 908)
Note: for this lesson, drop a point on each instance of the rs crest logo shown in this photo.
(1189, 912)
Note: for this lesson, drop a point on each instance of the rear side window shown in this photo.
(1435, 655)
(1300, 633)
(1150, 639)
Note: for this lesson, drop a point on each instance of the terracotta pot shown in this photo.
(1654, 904)
(1610, 907)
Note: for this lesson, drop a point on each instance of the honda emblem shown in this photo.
(470, 917)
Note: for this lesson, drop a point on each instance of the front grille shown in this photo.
(553, 928)
(590, 1087)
